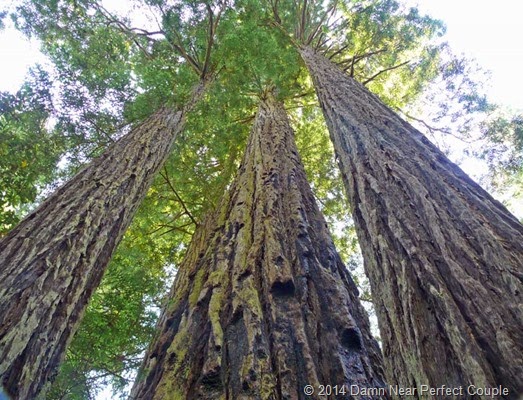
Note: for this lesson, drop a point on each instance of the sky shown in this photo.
(490, 32)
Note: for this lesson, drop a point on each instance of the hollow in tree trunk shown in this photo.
(54, 259)
(444, 259)
(262, 305)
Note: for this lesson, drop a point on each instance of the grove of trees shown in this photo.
(176, 139)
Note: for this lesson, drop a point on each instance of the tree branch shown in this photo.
(303, 22)
(143, 32)
(213, 26)
(179, 47)
(384, 70)
(326, 17)
(111, 19)
(177, 228)
(320, 41)
(165, 176)
(357, 58)
(338, 51)
(276, 24)
(433, 129)
(275, 14)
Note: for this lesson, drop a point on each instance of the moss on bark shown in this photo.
(277, 303)
(444, 259)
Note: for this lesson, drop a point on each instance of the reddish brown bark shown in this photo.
(262, 305)
(445, 260)
(54, 259)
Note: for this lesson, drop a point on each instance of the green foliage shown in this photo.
(28, 151)
(90, 80)
(506, 131)
(502, 135)
(392, 50)
(121, 316)
(255, 56)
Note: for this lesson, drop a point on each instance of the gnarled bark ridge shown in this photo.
(54, 259)
(262, 304)
(445, 260)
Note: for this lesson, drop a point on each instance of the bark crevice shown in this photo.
(55, 258)
(289, 313)
(443, 257)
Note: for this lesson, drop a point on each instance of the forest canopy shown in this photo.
(113, 65)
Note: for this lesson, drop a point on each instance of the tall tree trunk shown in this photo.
(262, 305)
(54, 259)
(443, 257)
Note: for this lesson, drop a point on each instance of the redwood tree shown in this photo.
(262, 304)
(54, 259)
(445, 260)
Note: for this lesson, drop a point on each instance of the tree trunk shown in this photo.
(443, 257)
(55, 258)
(262, 305)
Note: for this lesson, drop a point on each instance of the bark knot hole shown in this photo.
(351, 339)
(244, 275)
(212, 379)
(279, 260)
(283, 289)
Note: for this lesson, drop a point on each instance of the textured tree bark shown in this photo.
(54, 259)
(445, 260)
(262, 304)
